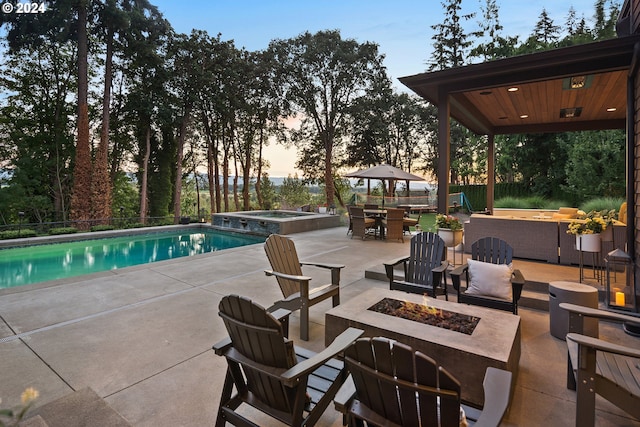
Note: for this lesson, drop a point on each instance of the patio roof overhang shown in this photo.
(479, 96)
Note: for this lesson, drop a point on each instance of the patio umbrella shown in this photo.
(385, 172)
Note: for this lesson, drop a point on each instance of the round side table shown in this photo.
(573, 293)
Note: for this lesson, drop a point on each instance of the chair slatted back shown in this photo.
(388, 376)
(395, 223)
(493, 250)
(258, 336)
(283, 257)
(426, 253)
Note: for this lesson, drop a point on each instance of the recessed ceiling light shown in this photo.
(611, 110)
(486, 92)
(524, 116)
(570, 113)
(578, 82)
(503, 118)
(512, 89)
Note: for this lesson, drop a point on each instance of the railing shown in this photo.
(42, 228)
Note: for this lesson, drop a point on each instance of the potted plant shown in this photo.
(587, 232)
(449, 229)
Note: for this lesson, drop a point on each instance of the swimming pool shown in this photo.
(32, 264)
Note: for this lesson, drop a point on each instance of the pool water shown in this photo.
(33, 264)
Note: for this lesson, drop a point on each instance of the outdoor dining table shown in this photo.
(379, 215)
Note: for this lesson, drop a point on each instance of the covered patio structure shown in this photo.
(593, 86)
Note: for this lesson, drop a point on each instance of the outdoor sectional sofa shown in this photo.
(542, 239)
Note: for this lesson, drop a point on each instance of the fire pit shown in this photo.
(426, 314)
(495, 340)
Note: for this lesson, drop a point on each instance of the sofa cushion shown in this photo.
(572, 212)
(491, 280)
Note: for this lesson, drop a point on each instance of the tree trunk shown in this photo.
(328, 169)
(180, 156)
(100, 179)
(259, 172)
(145, 178)
(81, 195)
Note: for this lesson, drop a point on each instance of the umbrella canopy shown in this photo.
(385, 171)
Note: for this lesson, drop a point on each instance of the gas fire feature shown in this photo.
(426, 314)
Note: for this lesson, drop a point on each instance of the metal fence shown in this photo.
(43, 228)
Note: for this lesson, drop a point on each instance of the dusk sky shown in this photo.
(402, 28)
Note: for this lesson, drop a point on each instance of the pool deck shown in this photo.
(141, 337)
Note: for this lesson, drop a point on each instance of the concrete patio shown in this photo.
(141, 337)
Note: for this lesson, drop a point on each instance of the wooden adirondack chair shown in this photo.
(287, 269)
(595, 366)
(424, 268)
(390, 384)
(291, 384)
(494, 251)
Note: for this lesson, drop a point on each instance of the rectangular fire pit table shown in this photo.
(495, 341)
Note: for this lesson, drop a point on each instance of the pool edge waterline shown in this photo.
(49, 259)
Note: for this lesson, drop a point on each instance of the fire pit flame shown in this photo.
(427, 314)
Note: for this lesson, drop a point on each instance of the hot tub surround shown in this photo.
(265, 222)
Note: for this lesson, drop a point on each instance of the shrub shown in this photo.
(102, 227)
(602, 204)
(62, 230)
(536, 202)
(511, 202)
(17, 234)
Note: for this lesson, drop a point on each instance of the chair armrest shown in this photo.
(221, 346)
(322, 264)
(397, 261)
(342, 341)
(497, 393)
(517, 278)
(455, 276)
(388, 266)
(287, 276)
(443, 267)
(600, 314)
(345, 395)
(601, 345)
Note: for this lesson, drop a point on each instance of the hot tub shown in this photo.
(265, 223)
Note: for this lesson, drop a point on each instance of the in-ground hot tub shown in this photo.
(274, 222)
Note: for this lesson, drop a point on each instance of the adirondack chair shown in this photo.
(287, 269)
(390, 384)
(424, 268)
(595, 366)
(394, 224)
(361, 225)
(489, 279)
(289, 383)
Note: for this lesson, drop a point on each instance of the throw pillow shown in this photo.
(491, 280)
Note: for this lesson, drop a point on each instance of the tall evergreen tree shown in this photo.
(450, 42)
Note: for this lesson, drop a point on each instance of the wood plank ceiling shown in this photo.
(480, 99)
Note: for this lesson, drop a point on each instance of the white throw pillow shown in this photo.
(491, 280)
